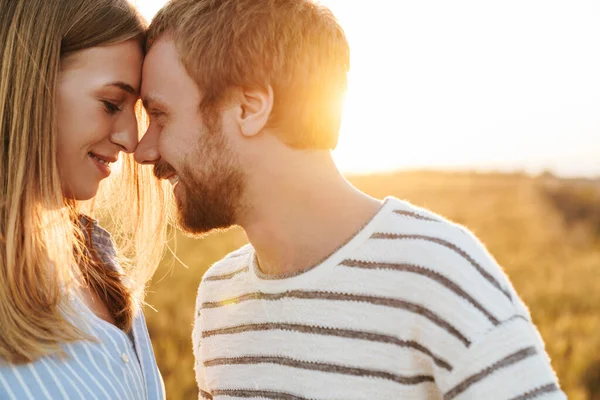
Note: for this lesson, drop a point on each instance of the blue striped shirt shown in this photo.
(118, 366)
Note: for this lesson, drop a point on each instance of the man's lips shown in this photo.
(172, 178)
(163, 170)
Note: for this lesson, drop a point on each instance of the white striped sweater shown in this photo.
(412, 307)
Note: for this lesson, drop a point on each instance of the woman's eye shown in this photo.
(111, 108)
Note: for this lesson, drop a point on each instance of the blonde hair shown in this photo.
(296, 46)
(43, 253)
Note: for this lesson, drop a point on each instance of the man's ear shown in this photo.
(256, 105)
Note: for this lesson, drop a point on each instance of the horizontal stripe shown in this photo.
(318, 330)
(415, 215)
(487, 276)
(427, 273)
(322, 367)
(251, 393)
(316, 295)
(226, 276)
(354, 316)
(549, 388)
(205, 395)
(504, 363)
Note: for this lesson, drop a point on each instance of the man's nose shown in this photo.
(147, 149)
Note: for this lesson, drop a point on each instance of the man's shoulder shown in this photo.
(404, 213)
(411, 224)
(430, 251)
(232, 264)
(224, 275)
(422, 236)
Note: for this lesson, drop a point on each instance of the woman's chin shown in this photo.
(81, 194)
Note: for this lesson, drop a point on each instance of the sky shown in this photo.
(469, 84)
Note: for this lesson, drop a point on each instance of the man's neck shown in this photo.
(296, 222)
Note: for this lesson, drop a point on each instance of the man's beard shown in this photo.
(210, 198)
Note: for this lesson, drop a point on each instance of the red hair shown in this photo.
(296, 46)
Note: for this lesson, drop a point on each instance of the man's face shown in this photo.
(187, 148)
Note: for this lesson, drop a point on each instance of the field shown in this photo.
(545, 232)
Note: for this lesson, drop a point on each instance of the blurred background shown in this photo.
(485, 112)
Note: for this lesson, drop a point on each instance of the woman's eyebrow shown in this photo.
(124, 86)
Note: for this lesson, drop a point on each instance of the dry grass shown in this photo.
(550, 252)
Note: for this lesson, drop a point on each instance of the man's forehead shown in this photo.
(161, 59)
(156, 61)
(158, 72)
(164, 49)
(165, 80)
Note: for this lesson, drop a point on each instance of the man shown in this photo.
(338, 295)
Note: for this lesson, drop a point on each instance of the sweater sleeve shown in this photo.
(508, 362)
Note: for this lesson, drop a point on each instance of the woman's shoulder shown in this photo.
(101, 240)
(100, 237)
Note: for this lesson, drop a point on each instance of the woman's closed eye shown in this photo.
(111, 107)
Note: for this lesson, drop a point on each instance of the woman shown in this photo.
(70, 324)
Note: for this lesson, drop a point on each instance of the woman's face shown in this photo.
(96, 96)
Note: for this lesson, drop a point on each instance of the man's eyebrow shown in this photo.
(152, 102)
(124, 86)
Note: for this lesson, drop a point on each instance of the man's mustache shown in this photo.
(163, 170)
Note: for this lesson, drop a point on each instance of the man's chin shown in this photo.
(196, 232)
(203, 208)
(194, 225)
(192, 232)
